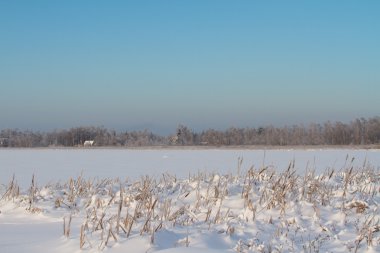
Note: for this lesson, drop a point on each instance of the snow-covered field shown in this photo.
(51, 165)
(165, 200)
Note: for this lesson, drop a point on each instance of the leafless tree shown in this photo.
(357, 132)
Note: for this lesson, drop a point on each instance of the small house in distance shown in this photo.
(88, 143)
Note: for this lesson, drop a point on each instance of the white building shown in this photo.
(88, 143)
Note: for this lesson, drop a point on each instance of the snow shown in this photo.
(193, 200)
(50, 165)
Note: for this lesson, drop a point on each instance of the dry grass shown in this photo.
(116, 209)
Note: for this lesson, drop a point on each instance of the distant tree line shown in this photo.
(357, 132)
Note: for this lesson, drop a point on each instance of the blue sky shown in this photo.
(205, 64)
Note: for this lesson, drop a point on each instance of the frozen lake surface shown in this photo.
(52, 165)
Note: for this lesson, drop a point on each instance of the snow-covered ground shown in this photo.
(51, 165)
(173, 201)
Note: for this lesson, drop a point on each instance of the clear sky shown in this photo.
(206, 64)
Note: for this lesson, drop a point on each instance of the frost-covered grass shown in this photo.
(249, 210)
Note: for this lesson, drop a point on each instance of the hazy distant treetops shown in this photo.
(357, 132)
